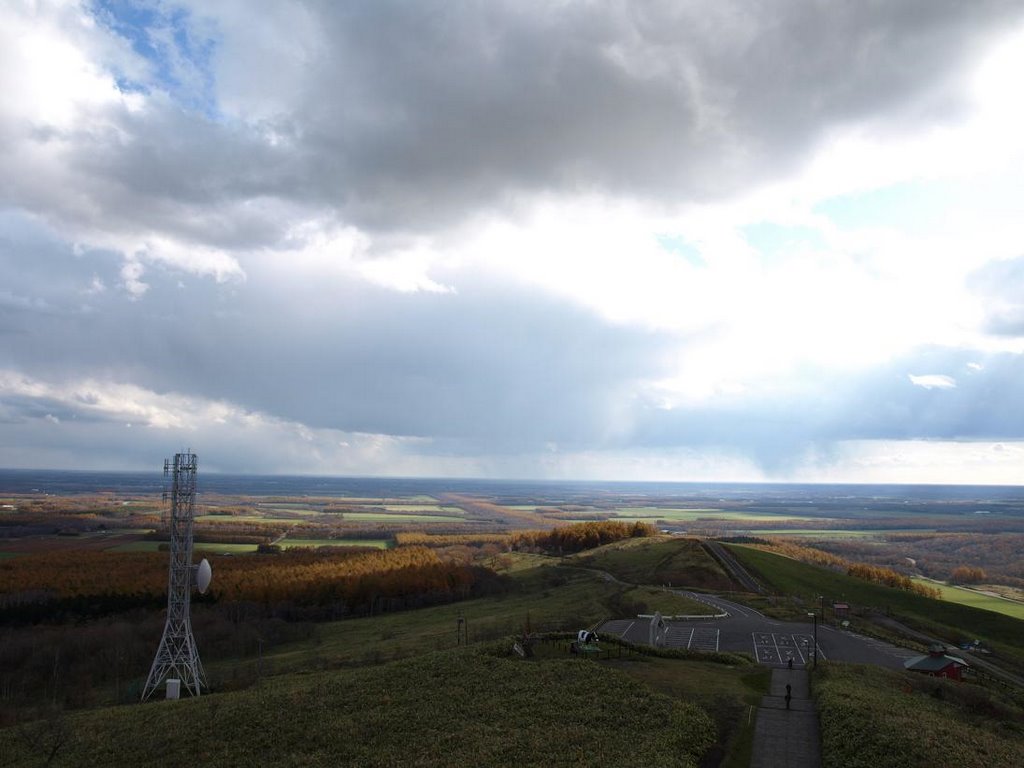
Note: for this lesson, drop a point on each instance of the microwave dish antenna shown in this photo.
(177, 658)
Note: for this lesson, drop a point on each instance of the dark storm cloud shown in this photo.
(410, 113)
(408, 116)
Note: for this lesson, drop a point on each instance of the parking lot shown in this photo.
(738, 628)
(779, 648)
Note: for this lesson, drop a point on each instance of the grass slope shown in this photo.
(947, 620)
(452, 708)
(877, 718)
(658, 560)
(977, 599)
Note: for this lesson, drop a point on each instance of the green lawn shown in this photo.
(976, 599)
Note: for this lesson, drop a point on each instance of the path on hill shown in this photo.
(787, 737)
(732, 566)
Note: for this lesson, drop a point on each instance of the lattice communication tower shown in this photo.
(177, 657)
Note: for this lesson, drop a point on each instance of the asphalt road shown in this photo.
(772, 642)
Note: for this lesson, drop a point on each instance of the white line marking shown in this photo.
(718, 635)
(691, 639)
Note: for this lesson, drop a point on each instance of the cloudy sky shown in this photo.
(726, 240)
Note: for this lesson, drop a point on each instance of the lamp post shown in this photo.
(814, 618)
(822, 599)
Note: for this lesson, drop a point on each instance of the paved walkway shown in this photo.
(787, 738)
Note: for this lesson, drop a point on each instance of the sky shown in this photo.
(679, 240)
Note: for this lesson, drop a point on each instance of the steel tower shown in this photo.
(177, 656)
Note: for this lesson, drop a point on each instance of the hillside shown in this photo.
(464, 707)
(877, 718)
(393, 688)
(805, 584)
(672, 560)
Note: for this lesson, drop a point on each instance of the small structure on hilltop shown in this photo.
(937, 663)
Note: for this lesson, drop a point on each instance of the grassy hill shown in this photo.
(939, 618)
(878, 718)
(658, 560)
(473, 706)
(393, 690)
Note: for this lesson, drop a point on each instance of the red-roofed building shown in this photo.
(938, 663)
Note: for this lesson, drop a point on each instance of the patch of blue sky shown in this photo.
(913, 206)
(680, 246)
(179, 50)
(776, 240)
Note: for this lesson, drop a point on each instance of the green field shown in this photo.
(692, 515)
(437, 508)
(398, 517)
(249, 519)
(834, 533)
(977, 599)
(290, 543)
(199, 546)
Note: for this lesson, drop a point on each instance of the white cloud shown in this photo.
(938, 462)
(933, 381)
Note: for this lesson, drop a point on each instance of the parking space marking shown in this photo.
(705, 639)
(618, 627)
(772, 648)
